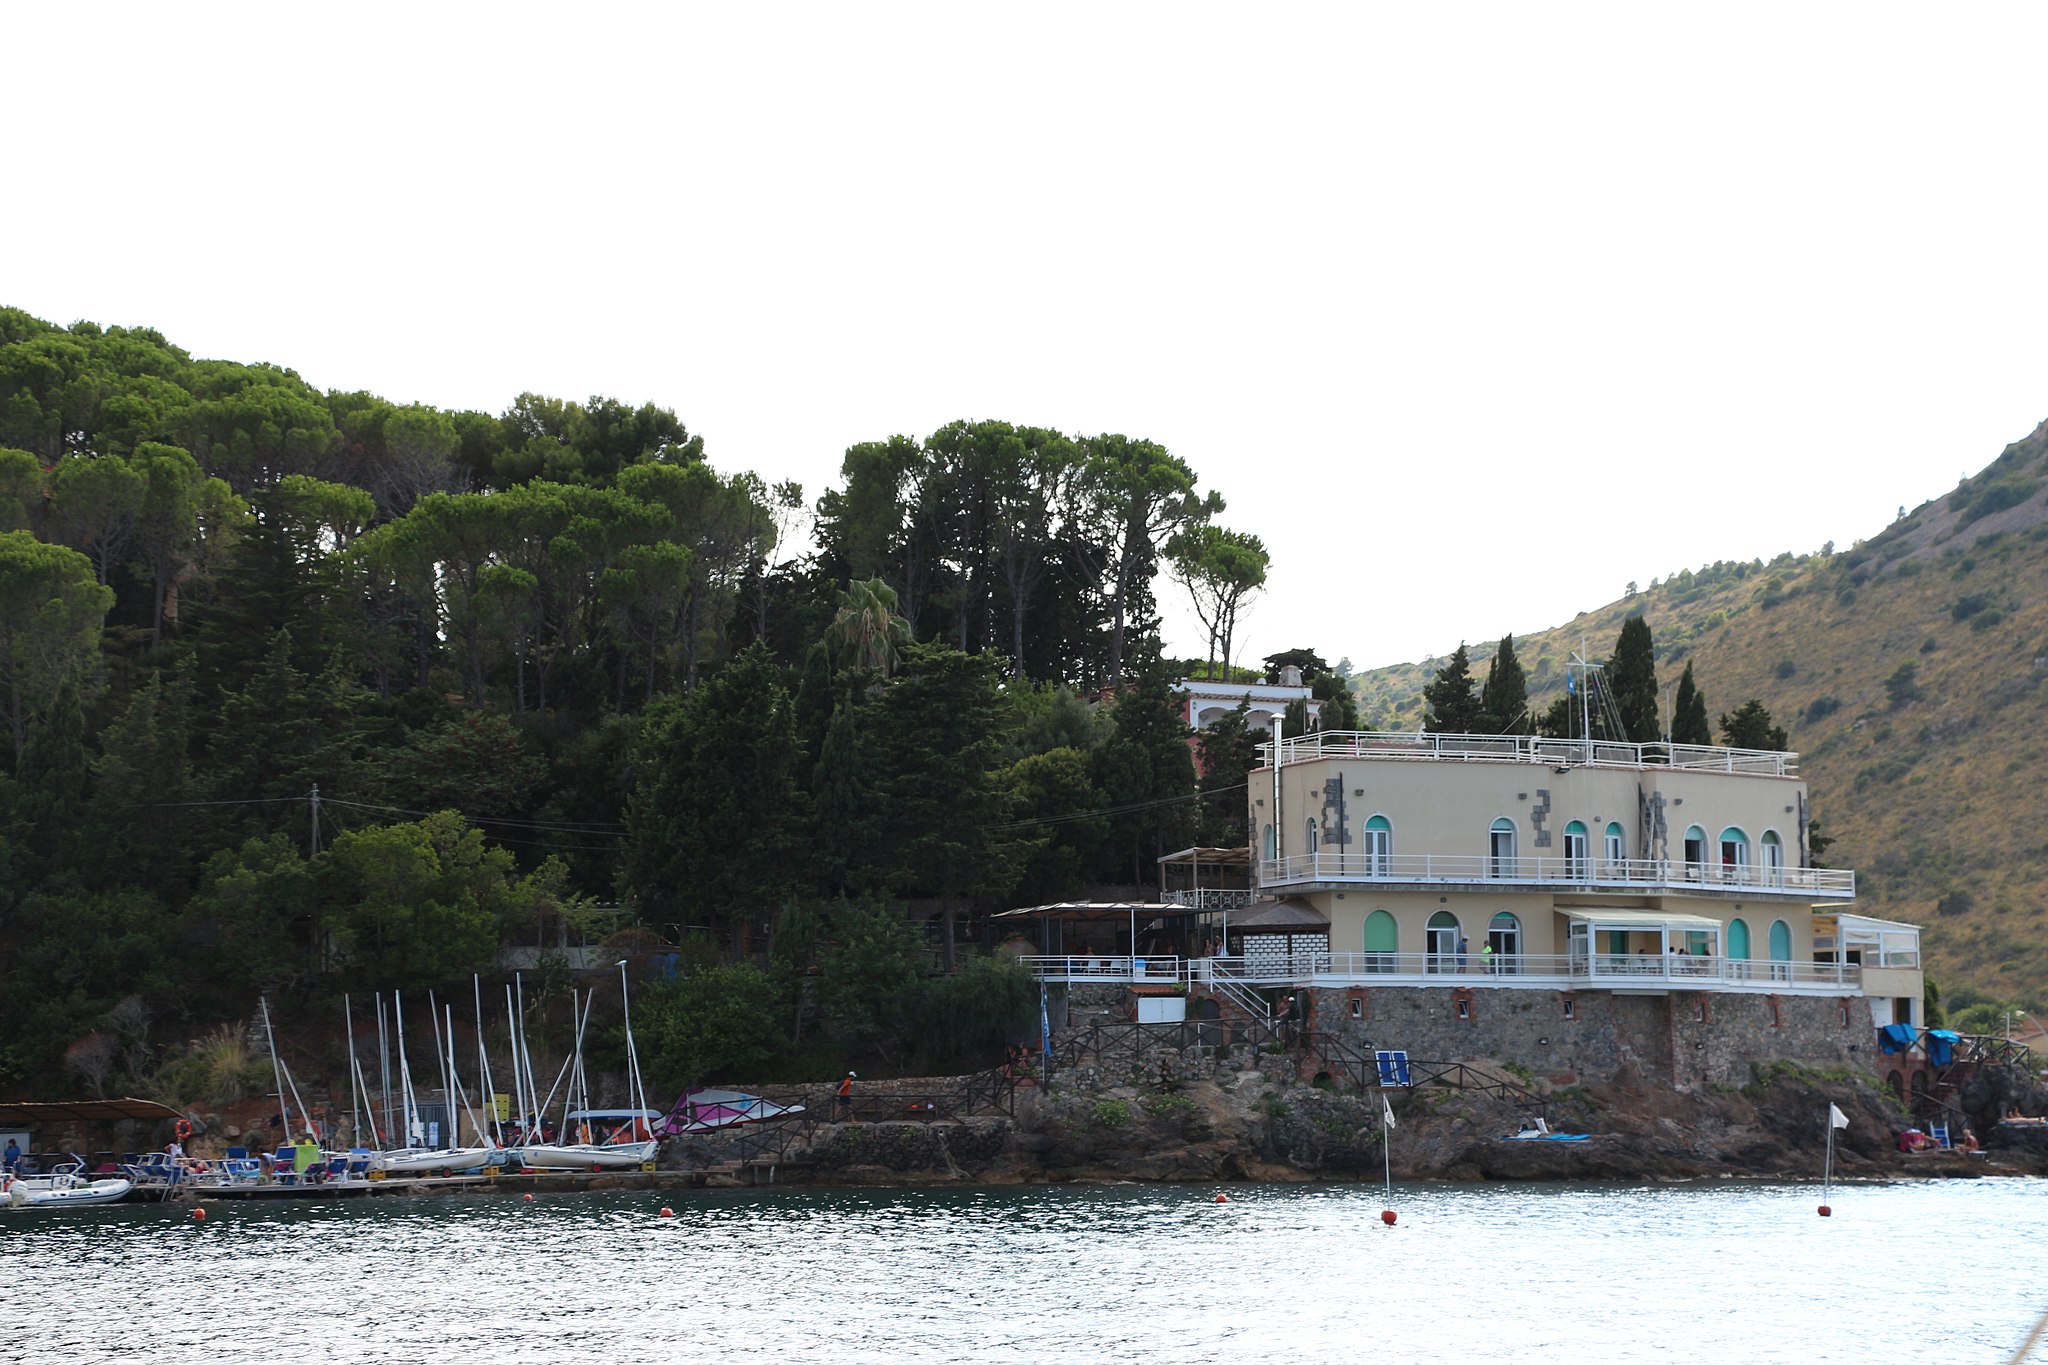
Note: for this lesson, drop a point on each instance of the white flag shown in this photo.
(1387, 1108)
(1836, 1118)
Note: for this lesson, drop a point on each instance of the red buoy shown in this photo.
(199, 1215)
(527, 1197)
(1223, 1199)
(1387, 1217)
(1826, 1212)
(667, 1212)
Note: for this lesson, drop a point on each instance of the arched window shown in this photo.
(1734, 855)
(1504, 936)
(1781, 950)
(1379, 847)
(1577, 852)
(1308, 839)
(1270, 854)
(1443, 942)
(1738, 940)
(1695, 853)
(1382, 942)
(1616, 850)
(1500, 849)
(1774, 858)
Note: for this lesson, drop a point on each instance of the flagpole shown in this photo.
(1387, 1154)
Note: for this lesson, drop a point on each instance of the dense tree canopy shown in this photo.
(312, 688)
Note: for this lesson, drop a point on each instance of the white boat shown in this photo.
(426, 1161)
(62, 1188)
(630, 1143)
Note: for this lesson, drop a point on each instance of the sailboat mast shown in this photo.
(355, 1093)
(483, 1063)
(411, 1104)
(639, 1094)
(284, 1108)
(383, 1063)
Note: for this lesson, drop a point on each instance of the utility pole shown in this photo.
(313, 845)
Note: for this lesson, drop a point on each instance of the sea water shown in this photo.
(1726, 1271)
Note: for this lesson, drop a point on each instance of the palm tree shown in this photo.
(867, 629)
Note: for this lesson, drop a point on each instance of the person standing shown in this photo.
(12, 1157)
(842, 1102)
(1464, 946)
(1486, 956)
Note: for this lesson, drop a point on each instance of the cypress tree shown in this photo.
(1689, 713)
(1453, 708)
(1632, 682)
(1504, 698)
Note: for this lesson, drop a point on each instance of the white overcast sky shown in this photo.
(1474, 313)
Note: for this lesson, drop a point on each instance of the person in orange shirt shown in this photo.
(842, 1102)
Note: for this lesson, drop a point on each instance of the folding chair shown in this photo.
(1393, 1068)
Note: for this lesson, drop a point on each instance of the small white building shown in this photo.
(1205, 702)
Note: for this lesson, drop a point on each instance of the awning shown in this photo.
(1642, 919)
(1100, 910)
(84, 1111)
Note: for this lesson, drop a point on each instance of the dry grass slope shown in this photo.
(1912, 674)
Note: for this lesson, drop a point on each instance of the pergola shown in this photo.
(1125, 916)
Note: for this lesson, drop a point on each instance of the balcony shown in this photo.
(1559, 753)
(1517, 971)
(1629, 876)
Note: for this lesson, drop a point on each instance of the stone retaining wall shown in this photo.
(1683, 1040)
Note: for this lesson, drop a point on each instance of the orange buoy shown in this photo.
(1387, 1217)
(1826, 1212)
(667, 1212)
(199, 1215)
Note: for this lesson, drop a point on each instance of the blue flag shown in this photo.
(1044, 1024)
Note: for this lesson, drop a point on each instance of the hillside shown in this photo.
(1909, 671)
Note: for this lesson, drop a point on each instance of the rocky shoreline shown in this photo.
(1257, 1120)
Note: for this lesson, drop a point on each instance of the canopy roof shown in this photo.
(1099, 910)
(1641, 919)
(1278, 916)
(1212, 857)
(84, 1111)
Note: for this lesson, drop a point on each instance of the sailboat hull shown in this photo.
(581, 1157)
(420, 1161)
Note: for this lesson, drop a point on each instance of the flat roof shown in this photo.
(1211, 857)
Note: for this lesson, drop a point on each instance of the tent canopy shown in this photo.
(1072, 911)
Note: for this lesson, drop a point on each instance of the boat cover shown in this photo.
(1896, 1037)
(703, 1109)
(1941, 1045)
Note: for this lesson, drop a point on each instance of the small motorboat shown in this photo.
(61, 1188)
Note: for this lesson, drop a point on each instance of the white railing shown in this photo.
(1210, 898)
(1573, 753)
(1086, 967)
(1234, 976)
(1586, 873)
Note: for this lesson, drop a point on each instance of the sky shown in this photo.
(1474, 314)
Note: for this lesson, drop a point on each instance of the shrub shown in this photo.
(1110, 1114)
(1822, 707)
(1968, 605)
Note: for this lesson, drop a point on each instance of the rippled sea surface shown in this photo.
(1936, 1271)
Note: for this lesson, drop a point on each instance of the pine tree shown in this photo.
(1453, 708)
(1226, 751)
(1504, 699)
(1750, 728)
(1632, 682)
(1689, 713)
(1146, 762)
(845, 796)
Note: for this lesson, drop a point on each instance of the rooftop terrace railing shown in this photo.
(1591, 874)
(1564, 753)
(1531, 971)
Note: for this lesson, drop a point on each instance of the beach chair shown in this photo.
(1939, 1132)
(1393, 1068)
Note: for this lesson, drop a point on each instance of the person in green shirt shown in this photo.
(305, 1155)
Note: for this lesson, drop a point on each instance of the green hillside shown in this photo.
(1911, 671)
